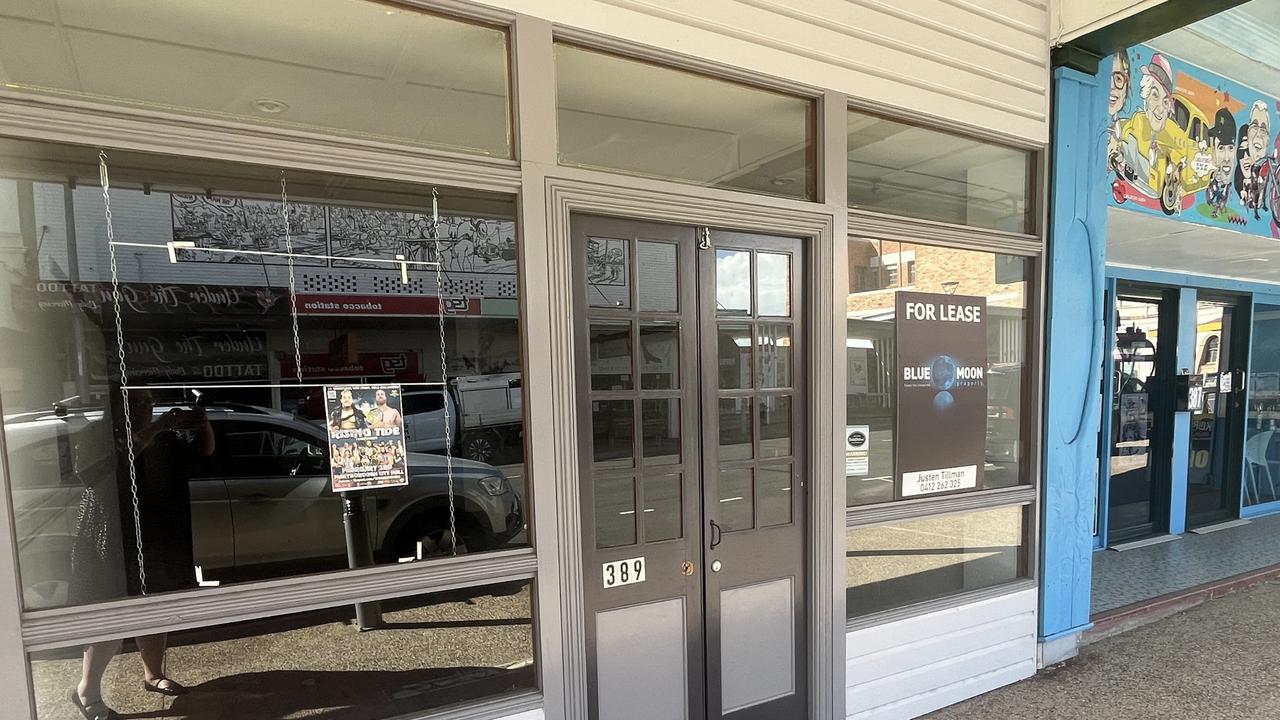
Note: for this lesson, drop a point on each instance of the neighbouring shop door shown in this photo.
(1142, 360)
(1214, 460)
(690, 347)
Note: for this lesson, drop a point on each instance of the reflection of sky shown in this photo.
(733, 280)
(774, 283)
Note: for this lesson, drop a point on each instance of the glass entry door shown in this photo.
(692, 449)
(1213, 464)
(1142, 359)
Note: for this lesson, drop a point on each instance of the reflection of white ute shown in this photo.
(484, 411)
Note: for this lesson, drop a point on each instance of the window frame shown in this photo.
(864, 225)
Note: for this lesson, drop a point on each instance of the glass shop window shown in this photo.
(916, 172)
(936, 352)
(636, 117)
(369, 70)
(431, 651)
(248, 378)
(910, 561)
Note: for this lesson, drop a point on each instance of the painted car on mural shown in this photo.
(1178, 165)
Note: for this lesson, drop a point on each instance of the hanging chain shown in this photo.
(444, 367)
(293, 286)
(124, 376)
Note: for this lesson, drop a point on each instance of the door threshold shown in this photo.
(1220, 526)
(1145, 542)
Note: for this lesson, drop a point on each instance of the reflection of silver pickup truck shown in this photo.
(260, 506)
(484, 411)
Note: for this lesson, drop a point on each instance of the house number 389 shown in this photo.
(623, 572)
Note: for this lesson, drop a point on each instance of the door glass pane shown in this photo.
(1212, 494)
(661, 420)
(736, 504)
(608, 272)
(775, 426)
(773, 284)
(774, 342)
(733, 282)
(735, 429)
(612, 429)
(645, 119)
(774, 490)
(615, 506)
(734, 356)
(659, 356)
(658, 280)
(611, 356)
(1262, 447)
(663, 518)
(1137, 376)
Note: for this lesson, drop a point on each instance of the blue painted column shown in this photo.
(1179, 464)
(1075, 271)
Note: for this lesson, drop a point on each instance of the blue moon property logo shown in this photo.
(945, 375)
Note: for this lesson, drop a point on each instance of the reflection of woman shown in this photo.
(165, 450)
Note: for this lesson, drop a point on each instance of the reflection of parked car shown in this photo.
(1004, 398)
(261, 505)
(485, 413)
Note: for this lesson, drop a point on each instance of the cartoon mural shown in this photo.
(1182, 141)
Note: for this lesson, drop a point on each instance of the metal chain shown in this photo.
(124, 376)
(444, 366)
(293, 287)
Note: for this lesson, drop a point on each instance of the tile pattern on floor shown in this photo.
(1123, 578)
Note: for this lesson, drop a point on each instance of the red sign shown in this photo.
(400, 365)
(407, 305)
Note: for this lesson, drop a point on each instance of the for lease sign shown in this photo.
(942, 392)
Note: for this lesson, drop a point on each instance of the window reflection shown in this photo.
(911, 561)
(231, 458)
(878, 269)
(431, 651)
(913, 171)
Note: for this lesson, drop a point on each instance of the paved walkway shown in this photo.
(1218, 660)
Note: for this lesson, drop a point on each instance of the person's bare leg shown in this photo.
(151, 648)
(96, 658)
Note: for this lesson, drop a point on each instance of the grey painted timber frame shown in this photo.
(546, 195)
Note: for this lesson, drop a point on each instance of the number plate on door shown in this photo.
(623, 572)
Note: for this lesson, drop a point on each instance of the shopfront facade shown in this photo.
(474, 360)
(1166, 155)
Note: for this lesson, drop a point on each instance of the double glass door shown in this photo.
(691, 388)
(1146, 361)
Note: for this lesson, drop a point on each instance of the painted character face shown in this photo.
(1119, 86)
(1159, 107)
(1224, 160)
(1259, 131)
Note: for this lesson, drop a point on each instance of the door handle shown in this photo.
(256, 498)
(716, 534)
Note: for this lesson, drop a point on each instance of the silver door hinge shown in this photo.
(705, 241)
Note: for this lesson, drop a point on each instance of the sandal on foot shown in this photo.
(172, 689)
(96, 710)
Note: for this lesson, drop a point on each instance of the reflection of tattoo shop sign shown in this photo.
(406, 305)
(149, 298)
(210, 356)
(942, 392)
